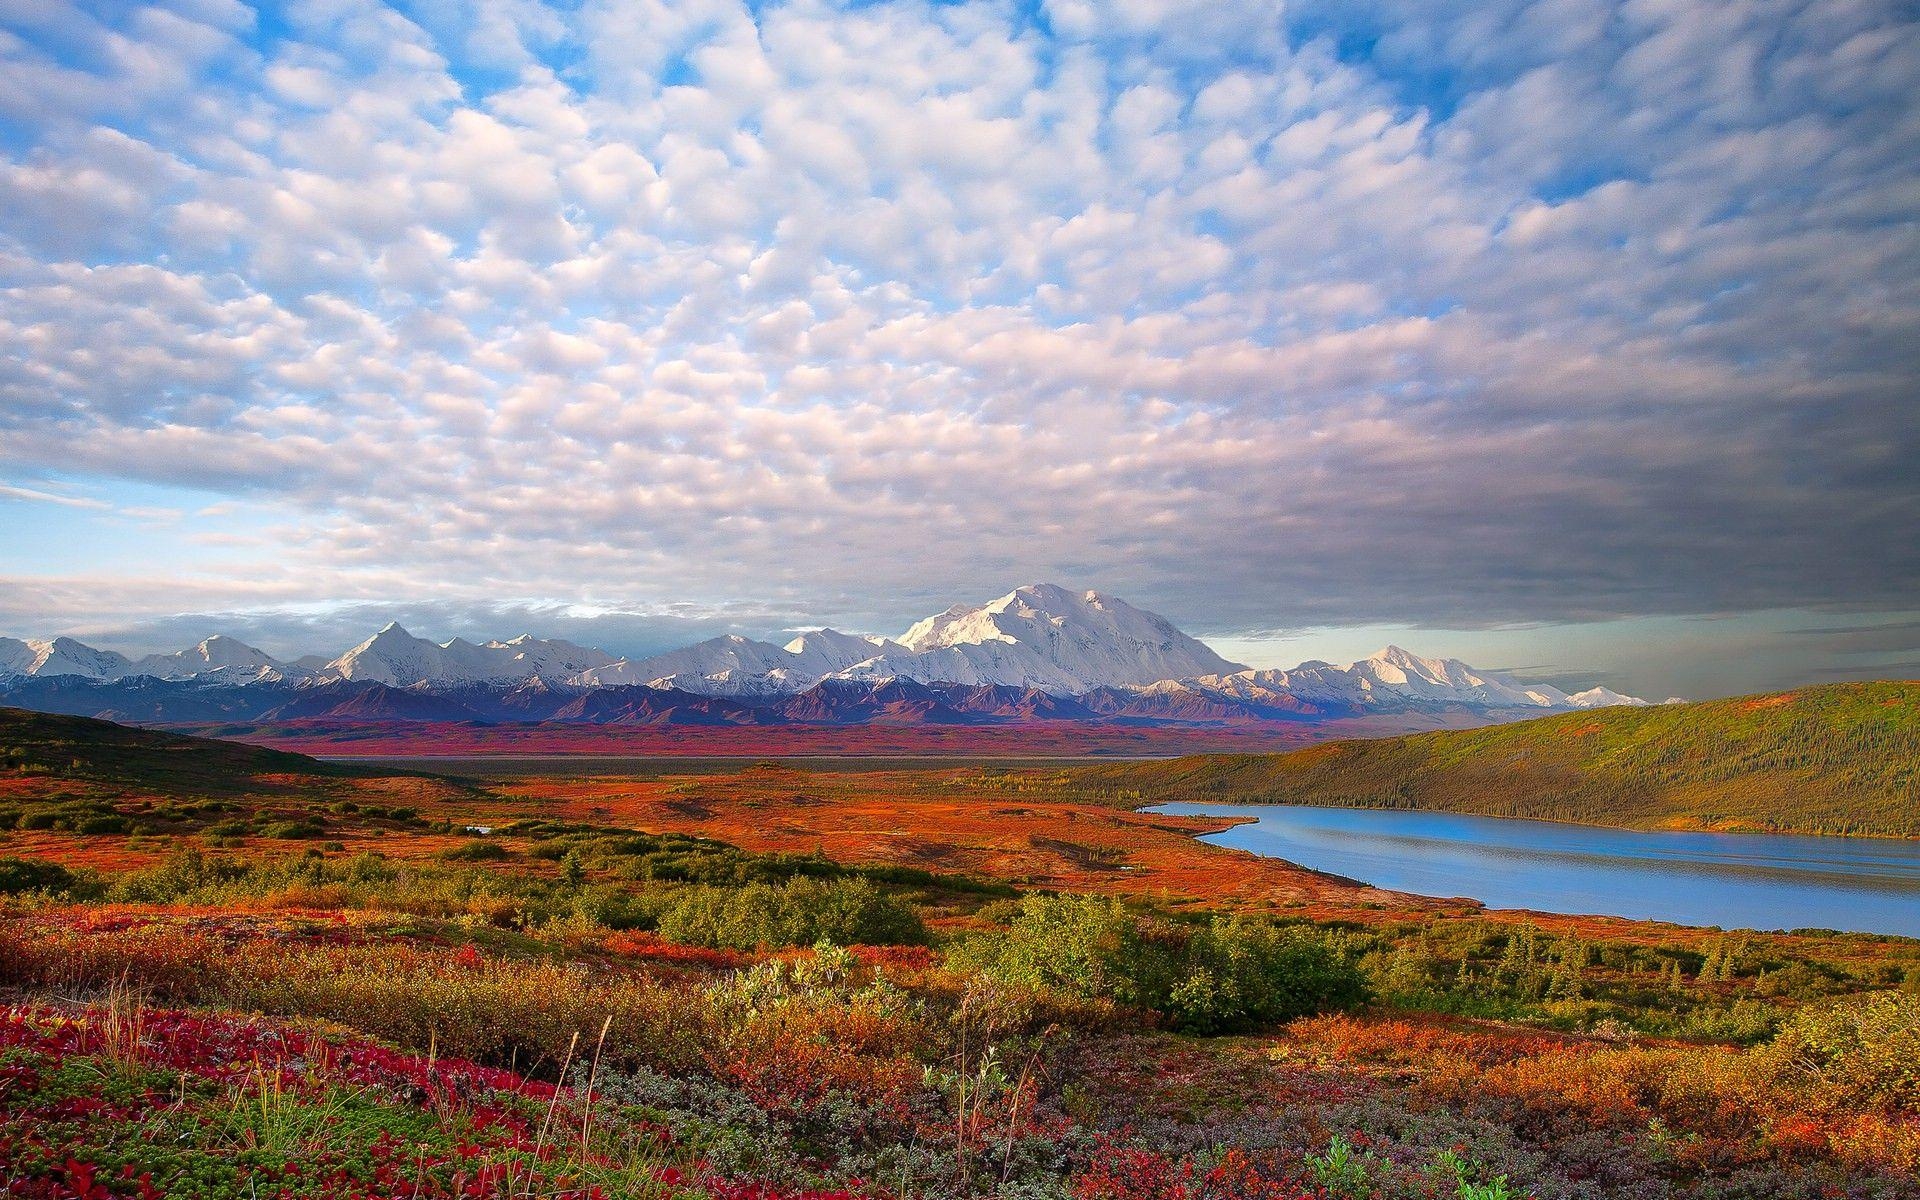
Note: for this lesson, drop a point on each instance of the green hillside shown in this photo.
(1838, 759)
(61, 774)
(81, 750)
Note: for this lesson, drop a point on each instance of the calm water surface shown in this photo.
(1739, 881)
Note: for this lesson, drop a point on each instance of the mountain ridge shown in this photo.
(1089, 653)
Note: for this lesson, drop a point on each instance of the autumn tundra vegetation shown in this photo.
(230, 972)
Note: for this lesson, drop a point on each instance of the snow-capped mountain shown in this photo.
(1044, 636)
(60, 656)
(736, 666)
(1040, 636)
(1030, 649)
(228, 658)
(1605, 697)
(1393, 680)
(397, 658)
(219, 657)
(16, 656)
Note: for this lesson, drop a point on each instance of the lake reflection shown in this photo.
(1752, 881)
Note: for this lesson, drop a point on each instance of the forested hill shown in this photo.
(1837, 759)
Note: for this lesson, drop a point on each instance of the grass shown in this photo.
(1838, 759)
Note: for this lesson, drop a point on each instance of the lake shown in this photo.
(1738, 881)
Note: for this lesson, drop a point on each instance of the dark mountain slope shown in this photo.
(81, 750)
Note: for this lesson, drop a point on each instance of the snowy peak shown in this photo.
(529, 657)
(16, 656)
(221, 657)
(225, 657)
(398, 659)
(729, 660)
(1401, 672)
(1045, 636)
(60, 656)
(830, 650)
(732, 665)
(1403, 666)
(1040, 636)
(229, 658)
(1396, 680)
(392, 656)
(1605, 697)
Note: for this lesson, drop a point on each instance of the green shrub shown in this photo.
(1344, 1172)
(1241, 973)
(477, 850)
(184, 873)
(18, 875)
(368, 867)
(1229, 973)
(799, 913)
(292, 830)
(1862, 1052)
(1088, 946)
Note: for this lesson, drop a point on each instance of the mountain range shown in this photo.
(1040, 652)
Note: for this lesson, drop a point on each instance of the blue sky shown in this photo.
(1574, 336)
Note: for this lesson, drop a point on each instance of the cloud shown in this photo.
(1867, 637)
(39, 497)
(1569, 681)
(1528, 312)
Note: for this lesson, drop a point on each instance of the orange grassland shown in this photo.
(954, 821)
(957, 820)
(949, 820)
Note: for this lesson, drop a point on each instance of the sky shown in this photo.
(1571, 337)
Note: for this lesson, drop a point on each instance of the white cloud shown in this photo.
(41, 497)
(1561, 310)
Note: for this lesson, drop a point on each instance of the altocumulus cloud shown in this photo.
(1443, 313)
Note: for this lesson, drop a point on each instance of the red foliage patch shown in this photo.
(651, 947)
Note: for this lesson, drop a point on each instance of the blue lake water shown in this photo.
(1738, 881)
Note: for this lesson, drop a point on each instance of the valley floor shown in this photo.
(1000, 739)
(956, 982)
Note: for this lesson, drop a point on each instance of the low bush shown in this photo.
(477, 850)
(1240, 973)
(293, 830)
(1229, 973)
(22, 875)
(801, 912)
(1859, 1053)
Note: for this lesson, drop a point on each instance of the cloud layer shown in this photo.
(1445, 313)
